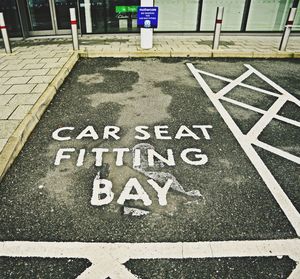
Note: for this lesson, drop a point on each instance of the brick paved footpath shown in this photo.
(31, 75)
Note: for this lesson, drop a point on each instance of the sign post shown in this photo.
(147, 19)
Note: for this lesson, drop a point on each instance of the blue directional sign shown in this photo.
(147, 17)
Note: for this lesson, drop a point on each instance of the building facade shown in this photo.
(51, 17)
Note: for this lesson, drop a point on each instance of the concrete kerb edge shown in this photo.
(21, 134)
(214, 54)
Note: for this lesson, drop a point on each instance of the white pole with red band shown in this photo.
(218, 27)
(74, 28)
(288, 27)
(4, 34)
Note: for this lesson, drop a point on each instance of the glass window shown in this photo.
(233, 14)
(62, 10)
(297, 20)
(39, 15)
(177, 15)
(267, 15)
(11, 17)
(121, 15)
(92, 16)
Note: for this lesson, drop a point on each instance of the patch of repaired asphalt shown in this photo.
(40, 201)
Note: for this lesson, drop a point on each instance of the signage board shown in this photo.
(126, 9)
(147, 17)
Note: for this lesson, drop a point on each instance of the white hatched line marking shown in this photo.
(261, 111)
(241, 84)
(278, 151)
(233, 84)
(246, 143)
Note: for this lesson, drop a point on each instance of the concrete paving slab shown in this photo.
(21, 88)
(7, 127)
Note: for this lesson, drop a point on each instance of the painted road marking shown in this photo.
(108, 259)
(261, 111)
(276, 86)
(264, 121)
(246, 141)
(233, 84)
(241, 84)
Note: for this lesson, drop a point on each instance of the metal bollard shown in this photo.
(218, 26)
(74, 29)
(288, 27)
(4, 34)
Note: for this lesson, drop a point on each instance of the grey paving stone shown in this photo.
(41, 79)
(2, 73)
(4, 99)
(17, 80)
(4, 88)
(37, 72)
(3, 80)
(18, 73)
(10, 67)
(40, 88)
(20, 112)
(6, 111)
(20, 89)
(34, 66)
(50, 60)
(7, 127)
(24, 99)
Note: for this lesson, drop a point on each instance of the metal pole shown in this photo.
(88, 16)
(146, 33)
(74, 28)
(288, 28)
(218, 26)
(4, 34)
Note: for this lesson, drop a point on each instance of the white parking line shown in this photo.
(108, 259)
(277, 151)
(263, 122)
(261, 111)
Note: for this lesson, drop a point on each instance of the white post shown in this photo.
(146, 33)
(88, 16)
(288, 29)
(4, 34)
(74, 28)
(218, 26)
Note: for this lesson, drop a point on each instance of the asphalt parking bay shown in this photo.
(159, 168)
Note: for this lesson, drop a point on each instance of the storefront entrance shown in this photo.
(49, 17)
(52, 17)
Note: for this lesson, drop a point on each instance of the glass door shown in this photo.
(49, 17)
(61, 11)
(40, 17)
